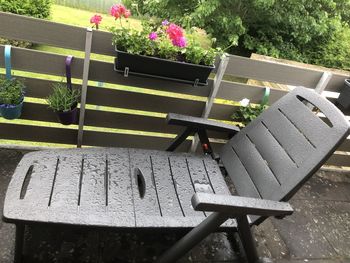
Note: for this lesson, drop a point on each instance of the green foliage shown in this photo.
(34, 8)
(63, 99)
(310, 31)
(246, 114)
(11, 91)
(138, 43)
(335, 53)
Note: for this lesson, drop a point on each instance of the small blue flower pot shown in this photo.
(11, 112)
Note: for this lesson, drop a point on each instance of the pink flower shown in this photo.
(96, 19)
(179, 42)
(119, 10)
(153, 36)
(176, 35)
(127, 13)
(122, 8)
(115, 11)
(174, 31)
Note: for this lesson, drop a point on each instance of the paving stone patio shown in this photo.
(317, 232)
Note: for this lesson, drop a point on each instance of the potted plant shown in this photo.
(64, 102)
(163, 51)
(11, 98)
(247, 112)
(344, 97)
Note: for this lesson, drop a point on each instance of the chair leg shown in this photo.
(247, 239)
(19, 243)
(185, 244)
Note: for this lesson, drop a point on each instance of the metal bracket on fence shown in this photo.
(88, 43)
(7, 55)
(195, 84)
(68, 71)
(126, 72)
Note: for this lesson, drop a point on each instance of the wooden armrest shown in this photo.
(200, 123)
(238, 205)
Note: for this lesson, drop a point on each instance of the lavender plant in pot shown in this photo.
(64, 102)
(11, 98)
(162, 50)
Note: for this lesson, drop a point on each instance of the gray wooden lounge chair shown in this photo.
(268, 161)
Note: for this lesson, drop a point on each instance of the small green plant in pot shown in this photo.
(64, 102)
(11, 98)
(247, 112)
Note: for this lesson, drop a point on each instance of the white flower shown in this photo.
(244, 102)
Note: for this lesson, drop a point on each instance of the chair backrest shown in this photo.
(276, 153)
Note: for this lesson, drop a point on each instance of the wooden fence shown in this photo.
(129, 111)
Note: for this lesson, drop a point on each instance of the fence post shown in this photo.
(214, 91)
(88, 43)
(323, 82)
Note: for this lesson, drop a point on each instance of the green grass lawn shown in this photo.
(77, 17)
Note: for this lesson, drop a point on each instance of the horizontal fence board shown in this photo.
(237, 91)
(37, 134)
(39, 88)
(222, 112)
(102, 43)
(41, 31)
(345, 146)
(41, 62)
(339, 160)
(273, 72)
(102, 139)
(281, 73)
(53, 64)
(38, 112)
(128, 121)
(142, 101)
(136, 122)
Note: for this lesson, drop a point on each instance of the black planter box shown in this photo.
(344, 97)
(162, 68)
